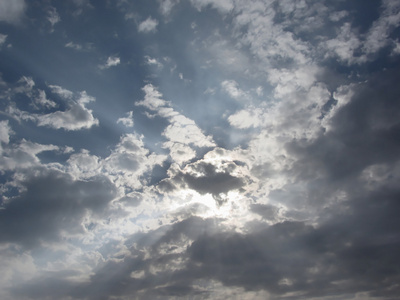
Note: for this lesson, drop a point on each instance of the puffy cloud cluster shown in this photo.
(305, 206)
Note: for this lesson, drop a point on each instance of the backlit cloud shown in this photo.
(203, 149)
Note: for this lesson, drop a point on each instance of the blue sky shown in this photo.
(199, 149)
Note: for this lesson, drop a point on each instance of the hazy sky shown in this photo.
(199, 149)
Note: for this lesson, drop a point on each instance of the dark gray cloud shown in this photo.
(349, 252)
(52, 203)
(205, 178)
(364, 132)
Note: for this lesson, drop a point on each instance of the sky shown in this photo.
(199, 149)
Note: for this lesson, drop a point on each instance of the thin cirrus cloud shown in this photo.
(226, 149)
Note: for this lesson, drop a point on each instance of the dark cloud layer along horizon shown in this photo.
(199, 149)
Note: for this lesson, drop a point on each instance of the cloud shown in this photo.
(216, 175)
(11, 11)
(3, 38)
(153, 62)
(130, 160)
(204, 178)
(5, 132)
(73, 46)
(378, 35)
(80, 47)
(127, 121)
(232, 89)
(52, 205)
(148, 25)
(167, 5)
(42, 101)
(22, 154)
(64, 93)
(304, 203)
(77, 117)
(112, 61)
(223, 6)
(83, 165)
(182, 132)
(52, 16)
(345, 44)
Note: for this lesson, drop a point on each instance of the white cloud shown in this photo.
(130, 160)
(112, 61)
(246, 118)
(148, 25)
(23, 155)
(127, 121)
(184, 130)
(180, 153)
(231, 87)
(152, 98)
(84, 165)
(11, 11)
(153, 62)
(64, 93)
(76, 117)
(181, 129)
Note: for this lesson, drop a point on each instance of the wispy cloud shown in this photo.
(148, 25)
